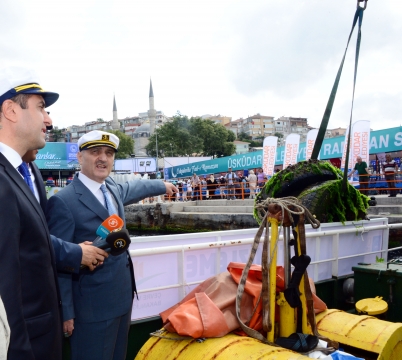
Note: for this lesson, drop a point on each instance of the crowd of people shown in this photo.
(230, 185)
(388, 167)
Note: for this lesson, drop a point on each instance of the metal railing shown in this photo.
(181, 250)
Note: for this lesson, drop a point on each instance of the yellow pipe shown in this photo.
(228, 347)
(362, 332)
(272, 277)
(287, 317)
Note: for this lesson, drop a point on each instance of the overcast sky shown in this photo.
(229, 57)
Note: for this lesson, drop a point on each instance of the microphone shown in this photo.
(116, 243)
(112, 223)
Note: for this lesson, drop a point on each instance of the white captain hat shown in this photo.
(98, 138)
(16, 80)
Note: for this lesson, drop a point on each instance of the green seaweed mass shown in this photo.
(318, 184)
(329, 202)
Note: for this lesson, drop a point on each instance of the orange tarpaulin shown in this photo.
(210, 309)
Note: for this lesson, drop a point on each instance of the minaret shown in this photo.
(115, 122)
(151, 111)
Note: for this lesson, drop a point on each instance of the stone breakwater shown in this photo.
(191, 216)
(211, 215)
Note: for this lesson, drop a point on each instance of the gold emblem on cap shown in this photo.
(105, 137)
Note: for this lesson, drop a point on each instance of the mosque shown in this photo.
(142, 127)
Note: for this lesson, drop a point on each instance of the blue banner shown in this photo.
(380, 141)
(63, 156)
(58, 156)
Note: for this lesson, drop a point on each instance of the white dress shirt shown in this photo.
(94, 187)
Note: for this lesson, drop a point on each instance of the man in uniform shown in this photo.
(97, 305)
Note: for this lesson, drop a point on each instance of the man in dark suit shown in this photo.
(97, 306)
(28, 286)
(69, 256)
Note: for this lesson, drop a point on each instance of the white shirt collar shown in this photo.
(92, 185)
(11, 155)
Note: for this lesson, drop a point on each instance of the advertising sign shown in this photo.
(269, 154)
(135, 165)
(310, 141)
(291, 149)
(360, 140)
(344, 150)
(58, 156)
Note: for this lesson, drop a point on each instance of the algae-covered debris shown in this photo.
(319, 187)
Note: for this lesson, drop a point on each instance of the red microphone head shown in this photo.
(113, 223)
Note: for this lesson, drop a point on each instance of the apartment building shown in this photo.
(235, 126)
(296, 125)
(258, 126)
(217, 119)
(335, 132)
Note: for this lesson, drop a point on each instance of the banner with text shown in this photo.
(269, 154)
(360, 140)
(58, 156)
(310, 141)
(385, 140)
(291, 149)
(345, 144)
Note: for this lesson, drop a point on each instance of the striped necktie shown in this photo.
(108, 201)
(24, 171)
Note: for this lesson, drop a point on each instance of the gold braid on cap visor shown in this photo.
(90, 144)
(28, 86)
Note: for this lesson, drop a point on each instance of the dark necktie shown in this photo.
(24, 171)
(108, 201)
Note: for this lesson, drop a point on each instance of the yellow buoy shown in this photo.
(362, 332)
(228, 347)
(376, 306)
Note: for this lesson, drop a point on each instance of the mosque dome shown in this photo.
(143, 130)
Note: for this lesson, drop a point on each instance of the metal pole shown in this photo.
(156, 142)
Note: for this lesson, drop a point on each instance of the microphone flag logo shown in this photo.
(113, 223)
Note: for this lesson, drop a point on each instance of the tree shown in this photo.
(216, 139)
(126, 145)
(185, 137)
(278, 135)
(246, 138)
(243, 137)
(174, 139)
(56, 134)
(254, 143)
